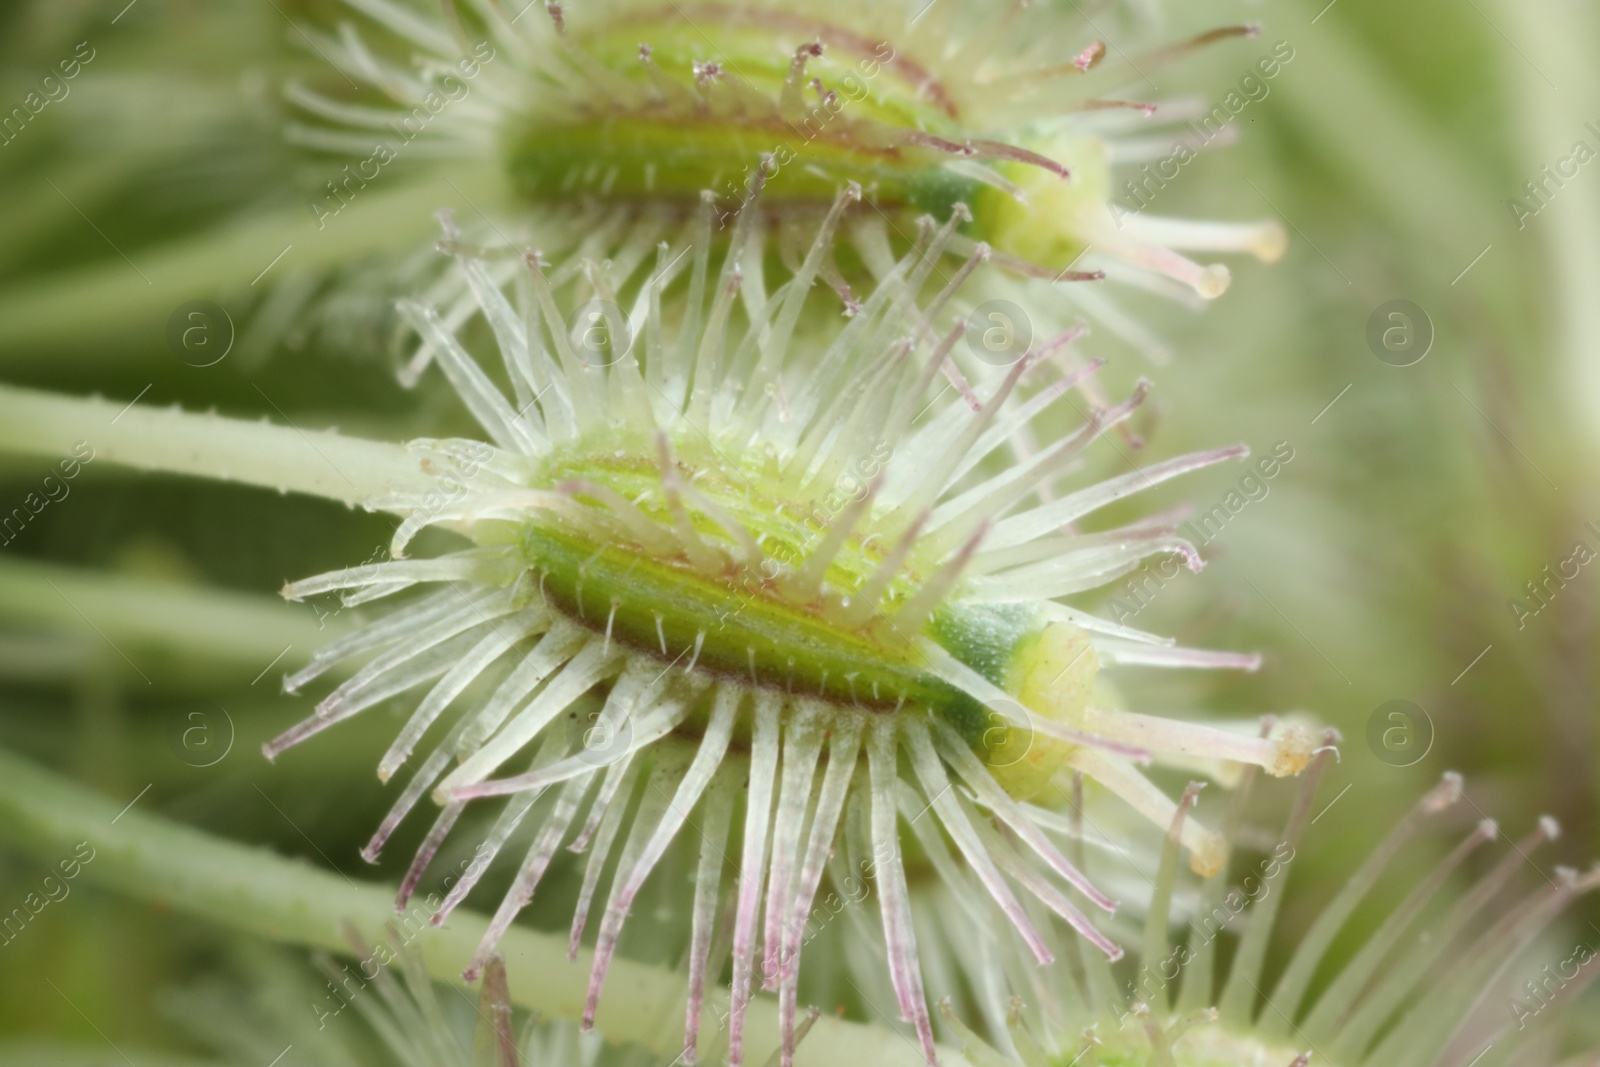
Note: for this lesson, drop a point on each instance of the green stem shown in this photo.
(251, 890)
(230, 629)
(1367, 126)
(24, 1053)
(110, 297)
(1548, 123)
(1345, 101)
(320, 463)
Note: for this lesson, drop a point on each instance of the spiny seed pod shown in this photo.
(729, 553)
(611, 122)
(1429, 986)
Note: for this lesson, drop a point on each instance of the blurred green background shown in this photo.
(1384, 563)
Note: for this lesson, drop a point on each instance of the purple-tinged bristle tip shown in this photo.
(1090, 56)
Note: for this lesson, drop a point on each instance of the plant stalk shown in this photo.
(320, 463)
(116, 294)
(229, 630)
(172, 866)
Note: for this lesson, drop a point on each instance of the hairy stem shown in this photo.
(248, 889)
(117, 294)
(320, 463)
(229, 630)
